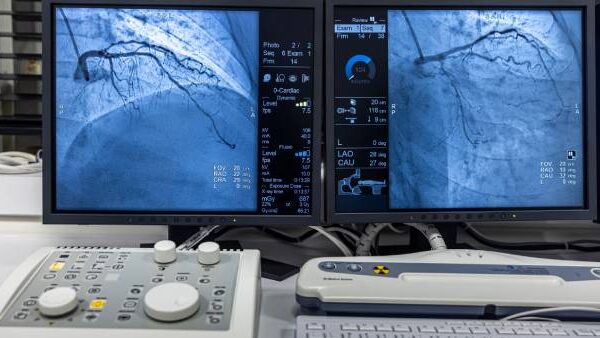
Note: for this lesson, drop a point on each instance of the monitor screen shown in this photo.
(458, 109)
(182, 110)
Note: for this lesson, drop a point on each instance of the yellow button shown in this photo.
(57, 266)
(381, 270)
(97, 304)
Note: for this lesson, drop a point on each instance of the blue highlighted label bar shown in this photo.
(367, 28)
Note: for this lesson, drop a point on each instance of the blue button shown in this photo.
(328, 265)
(354, 267)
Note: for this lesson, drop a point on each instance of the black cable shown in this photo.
(580, 245)
(287, 238)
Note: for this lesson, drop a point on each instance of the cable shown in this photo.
(550, 310)
(432, 234)
(396, 230)
(198, 237)
(355, 238)
(16, 162)
(539, 318)
(214, 232)
(368, 238)
(343, 248)
(580, 245)
(287, 238)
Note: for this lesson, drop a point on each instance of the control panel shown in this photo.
(144, 289)
(468, 283)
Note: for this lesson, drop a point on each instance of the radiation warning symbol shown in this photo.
(381, 270)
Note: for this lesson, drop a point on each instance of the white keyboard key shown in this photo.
(596, 332)
(384, 328)
(427, 329)
(445, 330)
(349, 327)
(584, 333)
(479, 330)
(366, 327)
(540, 332)
(315, 326)
(401, 328)
(523, 331)
(558, 332)
(315, 335)
(462, 330)
(505, 330)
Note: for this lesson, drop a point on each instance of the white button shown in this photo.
(540, 332)
(581, 332)
(427, 329)
(171, 302)
(164, 252)
(479, 330)
(315, 326)
(401, 328)
(349, 327)
(209, 253)
(462, 330)
(366, 327)
(505, 330)
(315, 335)
(523, 331)
(558, 332)
(445, 329)
(58, 301)
(383, 328)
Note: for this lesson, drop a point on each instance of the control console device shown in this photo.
(126, 292)
(469, 283)
(342, 327)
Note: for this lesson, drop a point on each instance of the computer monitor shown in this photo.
(457, 111)
(182, 112)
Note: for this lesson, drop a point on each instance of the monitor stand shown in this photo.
(417, 242)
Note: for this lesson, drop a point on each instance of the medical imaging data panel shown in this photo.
(183, 110)
(458, 109)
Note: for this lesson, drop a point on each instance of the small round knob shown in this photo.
(58, 301)
(164, 252)
(209, 253)
(171, 302)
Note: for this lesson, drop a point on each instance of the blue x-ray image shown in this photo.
(156, 109)
(486, 109)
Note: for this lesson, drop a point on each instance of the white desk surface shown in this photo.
(19, 237)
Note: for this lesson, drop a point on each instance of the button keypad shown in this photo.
(111, 287)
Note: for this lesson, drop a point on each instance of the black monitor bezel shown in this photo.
(467, 215)
(53, 216)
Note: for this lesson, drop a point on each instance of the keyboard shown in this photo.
(361, 327)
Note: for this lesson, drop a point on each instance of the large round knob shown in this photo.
(171, 302)
(164, 252)
(58, 301)
(209, 253)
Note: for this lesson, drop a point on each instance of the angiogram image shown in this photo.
(488, 108)
(156, 109)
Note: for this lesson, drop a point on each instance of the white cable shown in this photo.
(368, 238)
(345, 232)
(432, 234)
(343, 248)
(552, 309)
(539, 318)
(196, 238)
(15, 162)
(396, 230)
